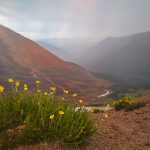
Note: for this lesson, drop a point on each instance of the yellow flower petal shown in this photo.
(61, 112)
(10, 80)
(17, 83)
(66, 92)
(45, 93)
(1, 89)
(74, 94)
(52, 89)
(51, 117)
(39, 91)
(25, 85)
(37, 82)
(81, 101)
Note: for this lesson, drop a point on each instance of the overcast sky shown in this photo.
(97, 19)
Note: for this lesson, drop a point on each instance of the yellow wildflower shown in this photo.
(52, 89)
(45, 93)
(74, 94)
(105, 116)
(51, 117)
(10, 80)
(1, 89)
(66, 92)
(83, 107)
(25, 85)
(17, 83)
(81, 101)
(37, 82)
(61, 112)
(25, 88)
(39, 91)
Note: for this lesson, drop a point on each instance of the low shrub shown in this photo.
(123, 103)
(128, 104)
(135, 105)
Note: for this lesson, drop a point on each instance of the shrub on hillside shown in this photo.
(128, 104)
(135, 105)
(123, 103)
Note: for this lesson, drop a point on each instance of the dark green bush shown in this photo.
(135, 105)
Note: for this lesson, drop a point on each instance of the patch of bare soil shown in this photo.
(45, 146)
(123, 131)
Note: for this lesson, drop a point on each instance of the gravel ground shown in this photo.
(123, 131)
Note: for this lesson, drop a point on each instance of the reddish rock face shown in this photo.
(26, 60)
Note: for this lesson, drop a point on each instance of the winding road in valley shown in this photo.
(103, 108)
(105, 94)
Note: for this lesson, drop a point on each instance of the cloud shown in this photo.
(83, 6)
(33, 35)
(8, 21)
(75, 18)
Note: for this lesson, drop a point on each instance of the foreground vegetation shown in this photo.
(31, 117)
(34, 116)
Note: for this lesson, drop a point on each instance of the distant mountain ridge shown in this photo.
(67, 48)
(54, 50)
(126, 57)
(27, 61)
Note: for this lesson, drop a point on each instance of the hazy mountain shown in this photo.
(127, 57)
(55, 50)
(72, 47)
(26, 61)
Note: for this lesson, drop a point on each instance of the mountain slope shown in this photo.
(54, 50)
(126, 57)
(26, 60)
